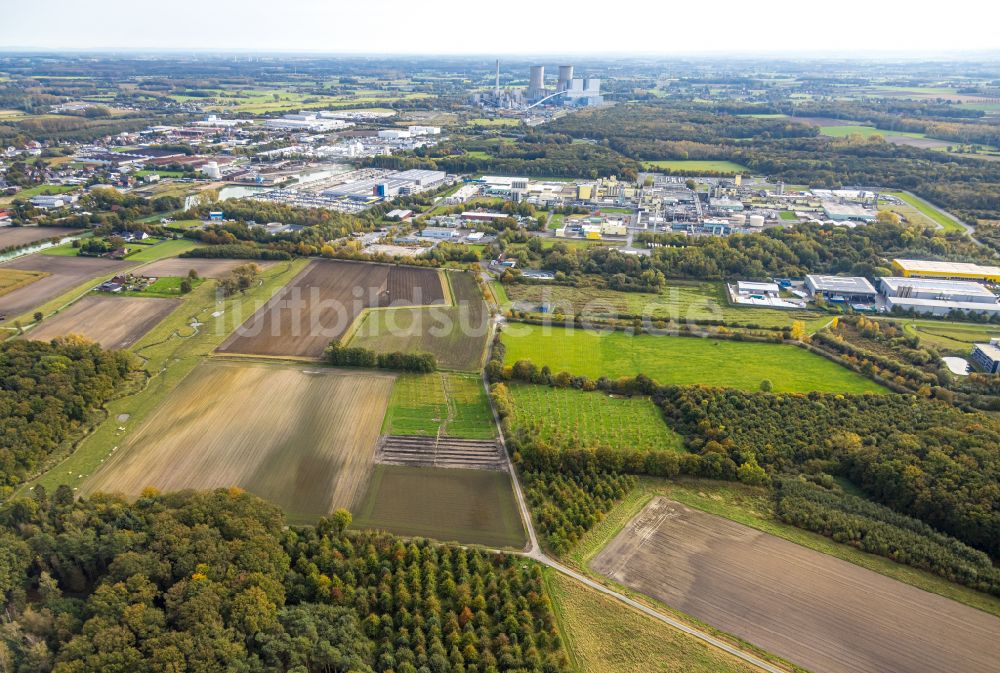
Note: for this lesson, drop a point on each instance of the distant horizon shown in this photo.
(439, 28)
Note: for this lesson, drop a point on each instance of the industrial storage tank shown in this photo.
(565, 76)
(738, 220)
(756, 220)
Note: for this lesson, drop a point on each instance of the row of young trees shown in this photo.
(876, 529)
(215, 581)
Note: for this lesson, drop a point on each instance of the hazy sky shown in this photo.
(503, 26)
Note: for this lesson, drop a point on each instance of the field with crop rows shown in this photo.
(451, 404)
(567, 415)
(113, 322)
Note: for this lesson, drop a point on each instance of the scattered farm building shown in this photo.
(987, 356)
(931, 269)
(850, 289)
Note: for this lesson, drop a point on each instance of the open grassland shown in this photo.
(303, 439)
(62, 275)
(11, 237)
(113, 322)
(694, 166)
(951, 336)
(814, 610)
(495, 122)
(15, 279)
(205, 268)
(680, 301)
(578, 418)
(456, 335)
(171, 350)
(844, 130)
(926, 210)
(677, 360)
(467, 506)
(603, 636)
(162, 250)
(449, 404)
(324, 300)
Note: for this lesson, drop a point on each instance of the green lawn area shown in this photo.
(478, 154)
(602, 635)
(498, 121)
(788, 216)
(693, 166)
(426, 404)
(64, 250)
(951, 336)
(866, 131)
(680, 360)
(928, 211)
(679, 301)
(556, 222)
(754, 507)
(570, 416)
(170, 248)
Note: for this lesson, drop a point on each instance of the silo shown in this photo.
(537, 81)
(565, 76)
(756, 220)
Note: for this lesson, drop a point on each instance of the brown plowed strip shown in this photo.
(113, 322)
(819, 612)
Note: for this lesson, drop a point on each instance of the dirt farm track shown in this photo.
(816, 611)
(113, 322)
(323, 300)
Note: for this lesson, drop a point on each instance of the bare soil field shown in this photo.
(206, 268)
(113, 322)
(64, 273)
(320, 304)
(15, 279)
(814, 610)
(301, 438)
(468, 506)
(924, 143)
(17, 236)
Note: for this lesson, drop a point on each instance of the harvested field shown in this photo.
(64, 273)
(206, 268)
(456, 335)
(449, 452)
(15, 237)
(113, 322)
(320, 304)
(303, 439)
(814, 610)
(468, 506)
(15, 279)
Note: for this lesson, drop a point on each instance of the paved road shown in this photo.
(534, 552)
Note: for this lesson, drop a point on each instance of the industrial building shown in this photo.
(937, 289)
(439, 232)
(937, 307)
(987, 356)
(848, 289)
(931, 269)
(844, 212)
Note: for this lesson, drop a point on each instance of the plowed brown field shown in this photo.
(113, 322)
(64, 273)
(206, 268)
(814, 610)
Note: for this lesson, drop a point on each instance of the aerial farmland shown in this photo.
(113, 322)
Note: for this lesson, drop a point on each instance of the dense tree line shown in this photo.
(921, 457)
(50, 392)
(357, 356)
(238, 251)
(212, 582)
(876, 529)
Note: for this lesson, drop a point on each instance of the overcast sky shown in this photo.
(504, 26)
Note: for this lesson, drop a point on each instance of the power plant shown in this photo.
(569, 91)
